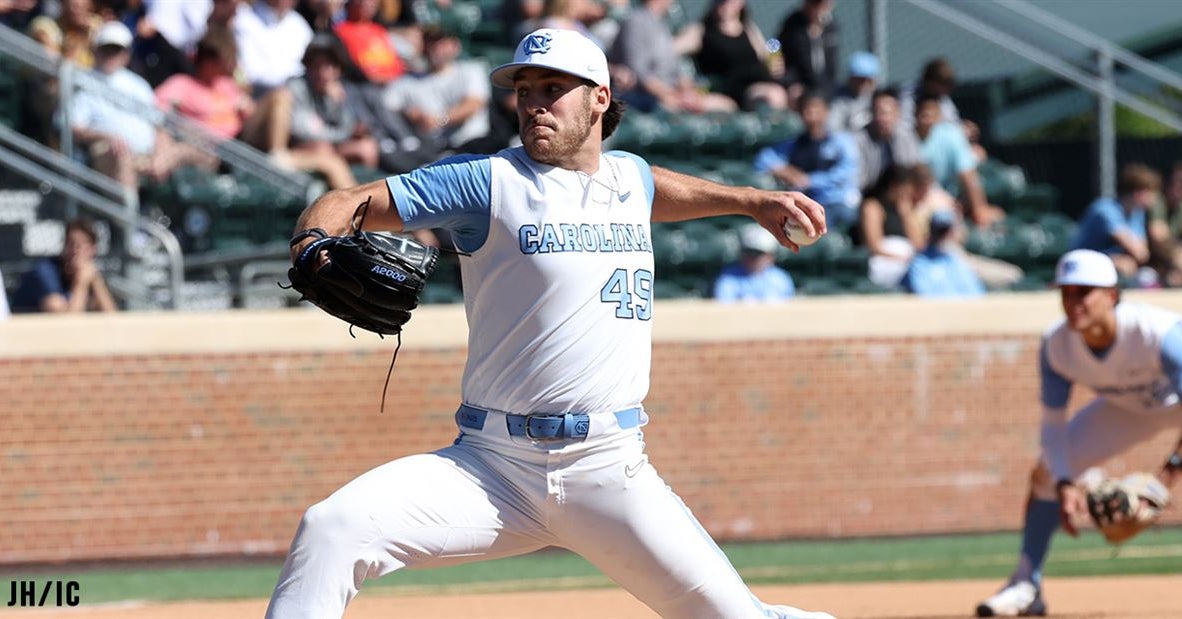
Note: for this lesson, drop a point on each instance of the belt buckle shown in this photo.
(570, 426)
(529, 429)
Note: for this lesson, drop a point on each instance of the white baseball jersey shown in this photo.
(558, 289)
(558, 286)
(1135, 380)
(1130, 374)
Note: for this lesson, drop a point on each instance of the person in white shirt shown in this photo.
(271, 39)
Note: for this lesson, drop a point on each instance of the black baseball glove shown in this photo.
(372, 279)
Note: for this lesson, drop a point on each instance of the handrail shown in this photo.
(1103, 85)
(1096, 43)
(104, 206)
(1048, 61)
(26, 50)
(238, 154)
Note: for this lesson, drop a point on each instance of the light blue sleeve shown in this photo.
(843, 174)
(789, 285)
(646, 173)
(1109, 212)
(969, 282)
(1055, 387)
(962, 152)
(772, 157)
(454, 194)
(1171, 356)
(726, 289)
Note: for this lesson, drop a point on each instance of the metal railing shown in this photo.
(41, 164)
(1100, 78)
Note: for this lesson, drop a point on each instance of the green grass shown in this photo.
(917, 558)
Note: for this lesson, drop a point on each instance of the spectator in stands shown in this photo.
(122, 142)
(646, 47)
(734, 56)
(322, 15)
(850, 108)
(167, 36)
(271, 40)
(565, 15)
(755, 277)
(45, 31)
(211, 96)
(889, 226)
(71, 282)
(950, 157)
(79, 23)
(885, 142)
(930, 198)
(940, 269)
(310, 125)
(17, 14)
(515, 14)
(937, 79)
(222, 15)
(1165, 231)
(808, 40)
(450, 101)
(42, 93)
(369, 45)
(821, 163)
(1118, 227)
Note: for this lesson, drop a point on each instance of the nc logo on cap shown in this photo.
(537, 44)
(1069, 267)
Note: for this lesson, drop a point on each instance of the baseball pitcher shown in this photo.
(557, 272)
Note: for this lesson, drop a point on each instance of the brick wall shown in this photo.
(161, 435)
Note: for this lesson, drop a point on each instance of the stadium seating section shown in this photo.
(230, 211)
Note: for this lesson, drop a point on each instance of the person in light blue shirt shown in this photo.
(755, 277)
(948, 154)
(1117, 227)
(940, 270)
(821, 163)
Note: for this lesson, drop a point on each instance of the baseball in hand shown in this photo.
(797, 235)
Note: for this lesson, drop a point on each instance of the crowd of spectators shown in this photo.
(331, 86)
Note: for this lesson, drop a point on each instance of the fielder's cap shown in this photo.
(113, 33)
(1085, 267)
(864, 64)
(560, 50)
(752, 237)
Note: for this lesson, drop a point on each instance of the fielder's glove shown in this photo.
(1122, 508)
(372, 279)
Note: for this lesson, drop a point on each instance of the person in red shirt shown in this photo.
(368, 43)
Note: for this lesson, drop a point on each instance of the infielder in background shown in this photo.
(558, 289)
(1130, 355)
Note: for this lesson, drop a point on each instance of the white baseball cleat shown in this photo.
(1017, 599)
(789, 612)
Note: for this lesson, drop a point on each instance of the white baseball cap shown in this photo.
(1085, 267)
(113, 33)
(561, 50)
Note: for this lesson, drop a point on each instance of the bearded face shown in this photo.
(556, 114)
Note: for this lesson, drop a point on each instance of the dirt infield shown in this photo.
(1123, 597)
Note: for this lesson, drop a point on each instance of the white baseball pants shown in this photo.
(491, 495)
